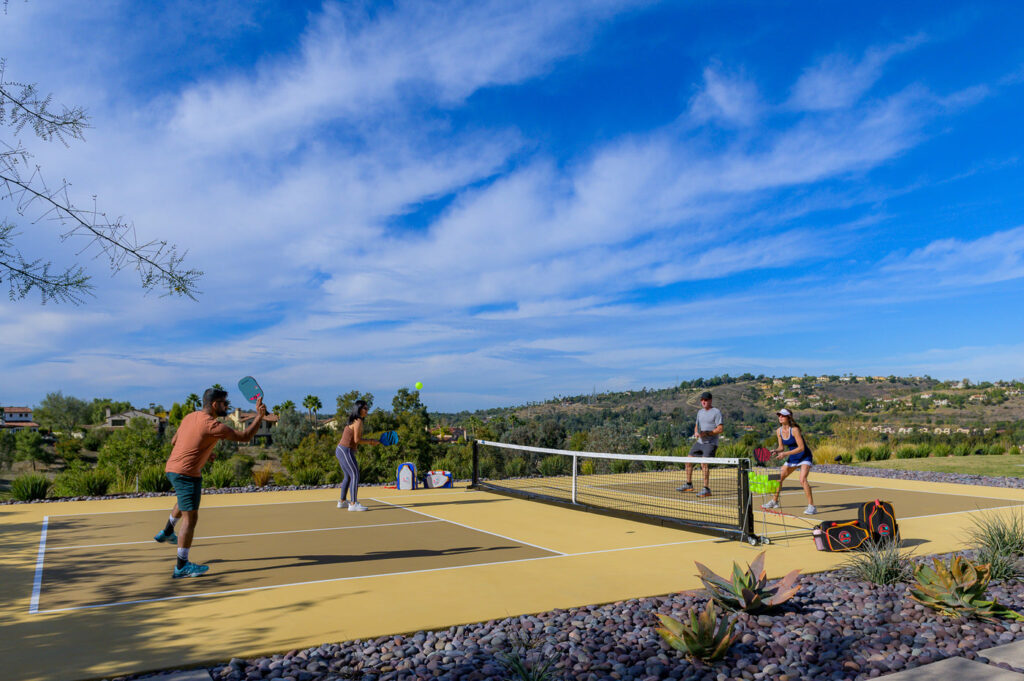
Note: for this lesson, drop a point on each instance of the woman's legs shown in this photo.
(783, 474)
(346, 461)
(805, 470)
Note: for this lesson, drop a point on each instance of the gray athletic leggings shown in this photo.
(350, 483)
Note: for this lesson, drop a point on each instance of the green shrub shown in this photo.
(516, 467)
(942, 449)
(880, 563)
(587, 467)
(995, 449)
(998, 538)
(30, 487)
(68, 449)
(846, 458)
(906, 452)
(94, 439)
(154, 479)
(83, 482)
(308, 476)
(706, 638)
(962, 450)
(241, 467)
(621, 465)
(881, 453)
(864, 453)
(221, 474)
(554, 465)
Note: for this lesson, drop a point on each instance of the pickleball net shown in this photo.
(627, 485)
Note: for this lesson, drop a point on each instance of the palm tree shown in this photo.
(192, 402)
(313, 404)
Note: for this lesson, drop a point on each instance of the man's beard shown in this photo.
(222, 411)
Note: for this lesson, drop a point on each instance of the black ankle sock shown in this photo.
(181, 563)
(168, 528)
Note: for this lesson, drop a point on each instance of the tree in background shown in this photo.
(192, 403)
(313, 404)
(284, 408)
(132, 448)
(100, 405)
(413, 424)
(62, 413)
(8, 449)
(29, 447)
(38, 203)
(290, 430)
(347, 401)
(176, 414)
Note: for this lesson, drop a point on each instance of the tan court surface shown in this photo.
(94, 597)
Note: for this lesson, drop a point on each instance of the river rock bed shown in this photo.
(836, 627)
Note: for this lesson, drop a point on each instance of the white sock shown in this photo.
(173, 521)
(183, 554)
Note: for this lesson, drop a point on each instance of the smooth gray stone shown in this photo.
(191, 675)
(1011, 653)
(958, 668)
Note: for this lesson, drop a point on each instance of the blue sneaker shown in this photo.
(172, 538)
(190, 569)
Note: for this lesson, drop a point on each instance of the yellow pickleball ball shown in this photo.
(419, 386)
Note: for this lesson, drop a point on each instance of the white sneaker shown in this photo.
(810, 510)
(771, 503)
(356, 506)
(342, 504)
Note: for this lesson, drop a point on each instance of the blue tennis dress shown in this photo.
(800, 458)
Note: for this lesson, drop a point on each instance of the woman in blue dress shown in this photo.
(792, 443)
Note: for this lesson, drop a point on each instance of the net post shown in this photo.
(476, 465)
(746, 508)
(574, 457)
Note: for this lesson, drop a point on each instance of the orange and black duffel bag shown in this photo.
(878, 518)
(833, 535)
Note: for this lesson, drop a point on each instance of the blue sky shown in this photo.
(511, 201)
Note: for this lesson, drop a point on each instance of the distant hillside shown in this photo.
(661, 417)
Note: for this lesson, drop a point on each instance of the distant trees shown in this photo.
(62, 413)
(8, 449)
(132, 448)
(29, 447)
(192, 403)
(313, 404)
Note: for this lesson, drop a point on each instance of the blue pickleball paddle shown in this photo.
(250, 389)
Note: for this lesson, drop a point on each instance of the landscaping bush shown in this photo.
(94, 439)
(942, 449)
(154, 479)
(962, 450)
(880, 563)
(86, 482)
(221, 474)
(261, 477)
(554, 465)
(864, 453)
(30, 487)
(516, 467)
(68, 449)
(308, 476)
(998, 537)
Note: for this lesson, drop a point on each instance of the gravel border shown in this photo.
(835, 628)
(926, 476)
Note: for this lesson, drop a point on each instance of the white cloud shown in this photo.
(731, 99)
(838, 81)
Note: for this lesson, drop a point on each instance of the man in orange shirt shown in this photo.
(192, 447)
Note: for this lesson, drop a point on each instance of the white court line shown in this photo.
(37, 583)
(384, 574)
(474, 529)
(251, 534)
(156, 510)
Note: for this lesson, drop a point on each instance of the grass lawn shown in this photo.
(1005, 465)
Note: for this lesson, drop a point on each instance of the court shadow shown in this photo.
(328, 559)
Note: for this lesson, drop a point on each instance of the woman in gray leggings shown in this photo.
(351, 438)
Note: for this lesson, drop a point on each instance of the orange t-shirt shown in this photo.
(195, 439)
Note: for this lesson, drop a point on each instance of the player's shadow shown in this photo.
(328, 559)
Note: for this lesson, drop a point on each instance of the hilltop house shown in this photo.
(119, 421)
(18, 418)
(240, 420)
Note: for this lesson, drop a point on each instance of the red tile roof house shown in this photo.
(18, 418)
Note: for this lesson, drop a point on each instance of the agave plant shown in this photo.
(706, 638)
(749, 591)
(958, 591)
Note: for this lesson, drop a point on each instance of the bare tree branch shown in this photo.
(157, 262)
